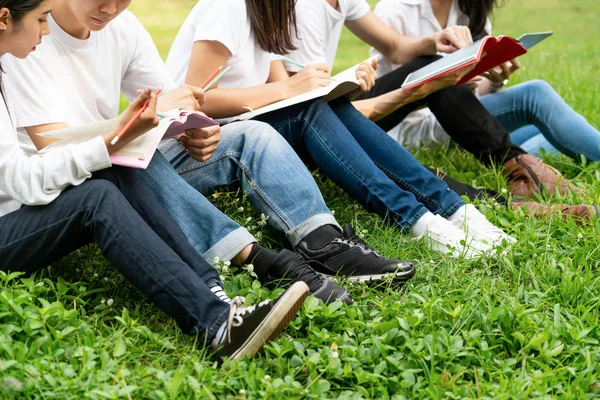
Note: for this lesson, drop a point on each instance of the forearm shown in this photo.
(381, 106)
(222, 103)
(407, 48)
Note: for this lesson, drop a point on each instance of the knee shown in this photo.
(100, 193)
(540, 88)
(261, 135)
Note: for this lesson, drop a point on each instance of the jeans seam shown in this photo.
(307, 123)
(212, 160)
(256, 188)
(412, 189)
(32, 234)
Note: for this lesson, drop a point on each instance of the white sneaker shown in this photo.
(475, 224)
(443, 236)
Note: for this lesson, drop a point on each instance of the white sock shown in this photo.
(220, 336)
(422, 224)
(220, 293)
(459, 215)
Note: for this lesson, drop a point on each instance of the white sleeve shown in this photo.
(488, 26)
(39, 180)
(310, 42)
(34, 96)
(393, 16)
(357, 9)
(222, 21)
(146, 67)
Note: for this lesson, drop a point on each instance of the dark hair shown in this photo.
(478, 11)
(272, 22)
(19, 8)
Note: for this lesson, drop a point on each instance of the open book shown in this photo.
(137, 153)
(487, 52)
(341, 84)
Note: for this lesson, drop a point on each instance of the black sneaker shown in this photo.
(250, 328)
(351, 257)
(289, 267)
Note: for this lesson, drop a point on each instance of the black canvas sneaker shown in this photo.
(250, 328)
(349, 256)
(290, 267)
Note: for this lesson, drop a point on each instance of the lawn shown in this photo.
(521, 325)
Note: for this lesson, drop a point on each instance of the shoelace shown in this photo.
(356, 241)
(304, 272)
(237, 312)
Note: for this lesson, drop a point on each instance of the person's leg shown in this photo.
(537, 103)
(34, 237)
(470, 125)
(210, 232)
(458, 111)
(314, 129)
(397, 163)
(269, 171)
(375, 169)
(534, 143)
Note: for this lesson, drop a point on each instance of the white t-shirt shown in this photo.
(226, 22)
(80, 81)
(320, 27)
(416, 18)
(38, 180)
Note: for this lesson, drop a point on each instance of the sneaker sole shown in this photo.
(275, 322)
(395, 276)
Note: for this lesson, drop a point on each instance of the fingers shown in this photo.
(515, 65)
(375, 63)
(320, 67)
(505, 71)
(200, 149)
(203, 133)
(198, 94)
(143, 95)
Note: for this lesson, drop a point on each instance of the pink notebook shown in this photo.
(172, 127)
(139, 152)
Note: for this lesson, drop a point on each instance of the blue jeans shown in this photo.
(363, 160)
(538, 117)
(134, 234)
(211, 233)
(269, 172)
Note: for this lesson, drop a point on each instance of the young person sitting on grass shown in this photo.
(52, 205)
(534, 114)
(457, 109)
(346, 146)
(96, 50)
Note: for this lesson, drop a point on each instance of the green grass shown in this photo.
(524, 325)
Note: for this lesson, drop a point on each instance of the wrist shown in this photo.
(428, 45)
(498, 85)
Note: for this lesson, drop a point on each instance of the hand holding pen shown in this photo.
(139, 117)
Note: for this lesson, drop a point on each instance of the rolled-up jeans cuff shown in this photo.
(296, 235)
(230, 246)
(452, 210)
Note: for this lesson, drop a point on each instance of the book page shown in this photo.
(447, 63)
(341, 84)
(145, 145)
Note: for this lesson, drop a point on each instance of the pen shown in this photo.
(131, 121)
(212, 77)
(216, 79)
(289, 60)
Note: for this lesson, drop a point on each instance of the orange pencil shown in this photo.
(212, 77)
(131, 121)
